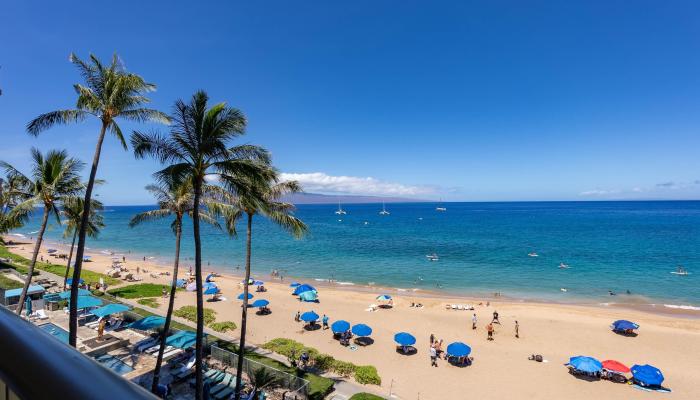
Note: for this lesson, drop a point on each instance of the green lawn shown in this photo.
(20, 264)
(365, 396)
(148, 302)
(8, 283)
(190, 313)
(139, 290)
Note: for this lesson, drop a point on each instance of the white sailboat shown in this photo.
(340, 210)
(440, 207)
(384, 211)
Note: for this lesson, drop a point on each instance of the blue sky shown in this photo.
(462, 100)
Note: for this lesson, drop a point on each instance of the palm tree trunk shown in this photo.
(199, 346)
(70, 257)
(244, 308)
(80, 251)
(35, 254)
(171, 305)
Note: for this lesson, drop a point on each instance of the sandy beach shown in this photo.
(500, 369)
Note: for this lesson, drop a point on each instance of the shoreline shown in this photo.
(640, 303)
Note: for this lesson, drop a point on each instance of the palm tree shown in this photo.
(13, 190)
(197, 148)
(54, 177)
(262, 378)
(261, 198)
(72, 212)
(109, 93)
(177, 201)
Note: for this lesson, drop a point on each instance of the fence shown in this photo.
(299, 387)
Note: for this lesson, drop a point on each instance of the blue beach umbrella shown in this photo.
(207, 279)
(180, 283)
(647, 375)
(181, 339)
(240, 296)
(458, 349)
(294, 284)
(361, 330)
(260, 303)
(404, 339)
(309, 316)
(87, 302)
(208, 285)
(384, 297)
(69, 282)
(623, 325)
(28, 305)
(586, 364)
(50, 251)
(303, 288)
(109, 309)
(212, 290)
(81, 292)
(258, 283)
(150, 322)
(340, 326)
(308, 296)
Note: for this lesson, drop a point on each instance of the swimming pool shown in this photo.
(114, 363)
(55, 331)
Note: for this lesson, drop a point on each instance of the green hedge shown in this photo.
(223, 327)
(148, 302)
(139, 290)
(190, 313)
(324, 362)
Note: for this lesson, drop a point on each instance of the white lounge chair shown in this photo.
(145, 345)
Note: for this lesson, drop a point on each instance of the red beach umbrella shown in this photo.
(616, 366)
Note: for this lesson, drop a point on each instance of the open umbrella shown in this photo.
(191, 287)
(181, 339)
(309, 316)
(458, 349)
(81, 292)
(361, 330)
(240, 296)
(147, 323)
(615, 366)
(88, 301)
(51, 251)
(624, 325)
(585, 364)
(340, 326)
(294, 284)
(180, 283)
(258, 283)
(647, 375)
(208, 278)
(308, 296)
(383, 297)
(109, 309)
(211, 290)
(404, 339)
(69, 281)
(260, 303)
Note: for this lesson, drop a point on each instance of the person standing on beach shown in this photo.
(517, 330)
(432, 339)
(297, 317)
(325, 321)
(495, 318)
(138, 270)
(489, 330)
(101, 329)
(474, 321)
(433, 357)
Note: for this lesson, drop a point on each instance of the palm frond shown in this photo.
(60, 117)
(149, 216)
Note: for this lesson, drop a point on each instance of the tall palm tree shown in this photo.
(13, 190)
(72, 212)
(261, 198)
(109, 93)
(195, 148)
(54, 177)
(173, 201)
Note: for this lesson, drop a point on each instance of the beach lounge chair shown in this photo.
(40, 315)
(116, 325)
(144, 344)
(221, 385)
(170, 354)
(227, 391)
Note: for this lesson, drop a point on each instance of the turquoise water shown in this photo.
(55, 331)
(483, 247)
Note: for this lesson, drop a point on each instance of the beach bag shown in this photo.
(536, 357)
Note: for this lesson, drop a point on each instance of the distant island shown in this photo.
(316, 198)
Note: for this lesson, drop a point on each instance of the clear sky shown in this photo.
(464, 100)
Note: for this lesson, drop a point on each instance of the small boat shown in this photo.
(563, 290)
(432, 257)
(533, 254)
(440, 207)
(340, 210)
(680, 271)
(384, 211)
(563, 266)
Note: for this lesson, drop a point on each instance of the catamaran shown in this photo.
(340, 210)
(384, 211)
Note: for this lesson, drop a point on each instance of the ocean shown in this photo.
(482, 248)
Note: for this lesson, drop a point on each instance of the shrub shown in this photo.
(343, 368)
(365, 396)
(148, 302)
(367, 374)
(223, 326)
(139, 290)
(323, 361)
(190, 313)
(9, 283)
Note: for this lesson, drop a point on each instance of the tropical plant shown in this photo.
(197, 147)
(260, 198)
(72, 211)
(262, 378)
(109, 93)
(173, 201)
(54, 178)
(13, 191)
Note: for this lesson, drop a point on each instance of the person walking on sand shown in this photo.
(495, 318)
(517, 330)
(101, 329)
(474, 321)
(297, 317)
(432, 339)
(489, 330)
(325, 321)
(433, 357)
(138, 270)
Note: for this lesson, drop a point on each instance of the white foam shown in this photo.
(345, 283)
(682, 307)
(18, 235)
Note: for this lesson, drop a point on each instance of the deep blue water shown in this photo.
(483, 247)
